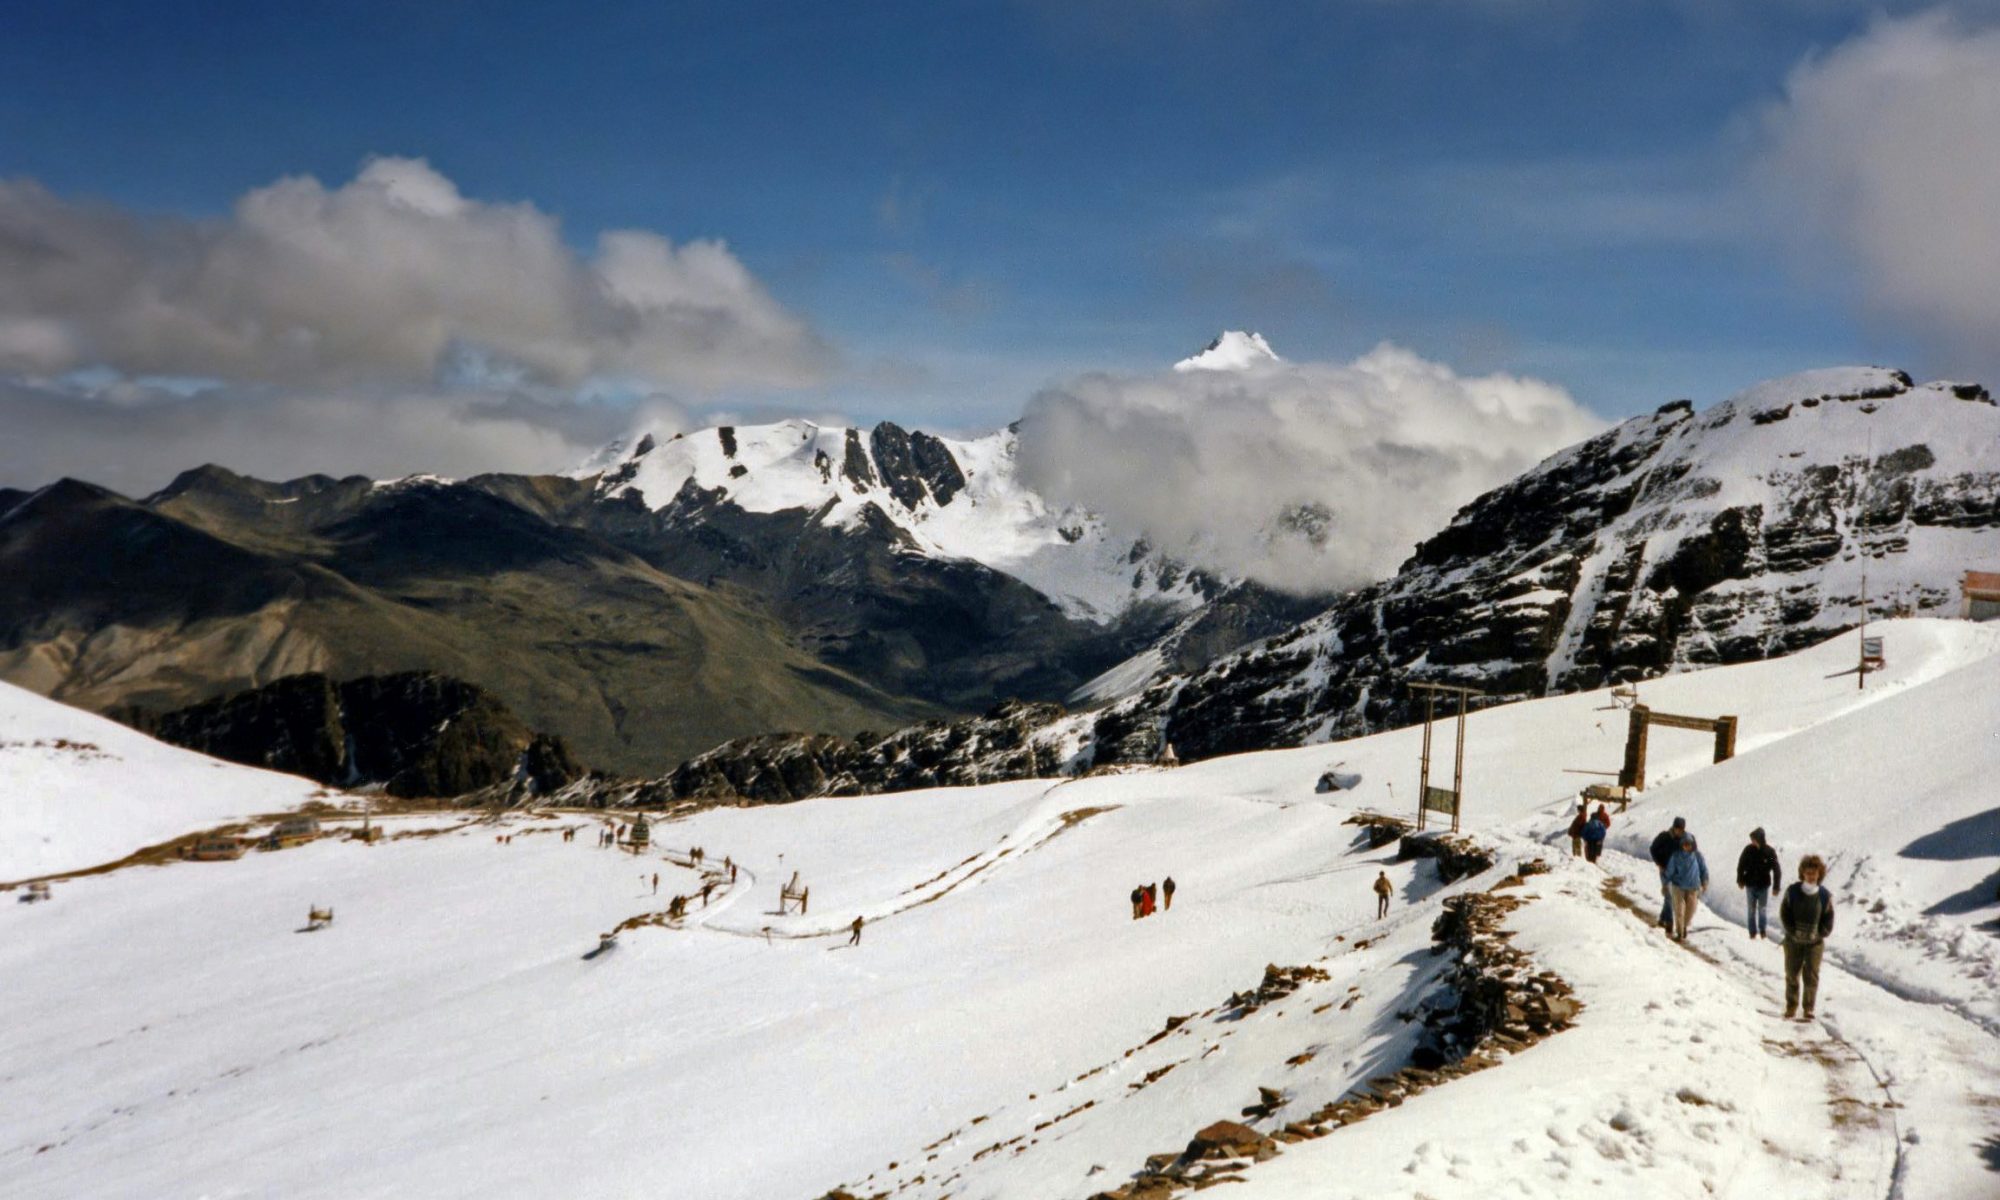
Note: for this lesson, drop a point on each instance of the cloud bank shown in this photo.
(1305, 476)
(1888, 150)
(385, 326)
(394, 275)
(133, 438)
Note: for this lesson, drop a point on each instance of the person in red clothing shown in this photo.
(1576, 824)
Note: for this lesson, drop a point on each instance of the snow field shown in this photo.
(77, 790)
(172, 1035)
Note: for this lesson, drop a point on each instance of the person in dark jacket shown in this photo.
(1167, 892)
(855, 940)
(1686, 878)
(1806, 916)
(1664, 844)
(1138, 899)
(1757, 872)
(1593, 837)
(1382, 889)
(1576, 824)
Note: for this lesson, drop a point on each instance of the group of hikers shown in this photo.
(1805, 913)
(1146, 897)
(1587, 830)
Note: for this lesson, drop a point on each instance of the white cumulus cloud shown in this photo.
(392, 276)
(1887, 148)
(1306, 475)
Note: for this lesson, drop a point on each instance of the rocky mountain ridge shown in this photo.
(415, 734)
(772, 577)
(1674, 540)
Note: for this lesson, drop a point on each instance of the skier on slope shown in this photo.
(1806, 916)
(1687, 879)
(1664, 844)
(1758, 874)
(1382, 889)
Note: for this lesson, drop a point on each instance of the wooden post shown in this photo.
(1725, 738)
(1633, 774)
(1458, 767)
(1424, 771)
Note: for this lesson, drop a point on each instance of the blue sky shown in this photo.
(969, 200)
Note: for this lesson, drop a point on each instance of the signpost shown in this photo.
(1437, 799)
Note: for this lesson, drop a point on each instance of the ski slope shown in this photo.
(77, 790)
(1001, 1030)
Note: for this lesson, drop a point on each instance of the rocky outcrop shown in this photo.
(1013, 740)
(417, 734)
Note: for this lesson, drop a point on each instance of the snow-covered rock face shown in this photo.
(1674, 540)
(948, 498)
(1232, 350)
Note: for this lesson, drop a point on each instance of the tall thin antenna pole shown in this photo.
(1861, 662)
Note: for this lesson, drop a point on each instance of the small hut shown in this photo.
(1981, 590)
(642, 834)
(292, 831)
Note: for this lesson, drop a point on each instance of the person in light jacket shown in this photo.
(1806, 916)
(1686, 877)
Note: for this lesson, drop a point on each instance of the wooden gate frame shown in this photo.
(1425, 792)
(1633, 773)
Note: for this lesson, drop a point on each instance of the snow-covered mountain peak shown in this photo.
(1232, 350)
(958, 498)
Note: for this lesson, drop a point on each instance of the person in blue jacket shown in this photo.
(1593, 837)
(1686, 878)
(1665, 843)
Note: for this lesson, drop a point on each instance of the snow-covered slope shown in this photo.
(952, 498)
(77, 790)
(1005, 1029)
(1675, 540)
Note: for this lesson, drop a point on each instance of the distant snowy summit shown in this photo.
(944, 498)
(1232, 350)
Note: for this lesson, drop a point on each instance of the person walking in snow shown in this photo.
(1167, 891)
(1603, 816)
(1593, 837)
(855, 940)
(1382, 889)
(1665, 843)
(1806, 917)
(1687, 879)
(1138, 902)
(1576, 824)
(656, 883)
(1151, 904)
(707, 886)
(1757, 873)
